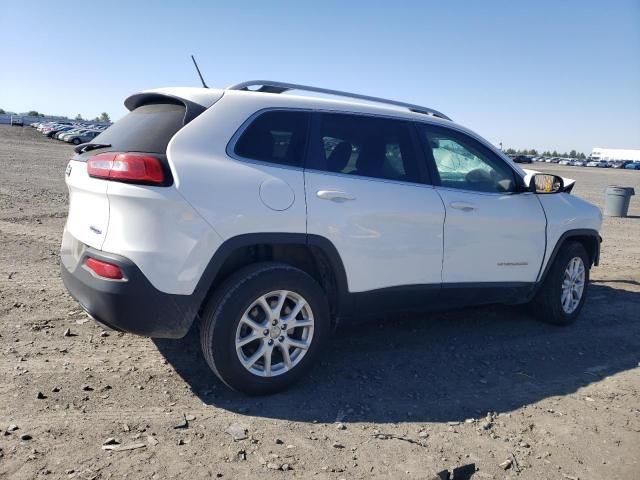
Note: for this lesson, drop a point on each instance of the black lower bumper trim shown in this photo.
(134, 305)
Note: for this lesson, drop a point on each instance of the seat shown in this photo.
(371, 159)
(339, 157)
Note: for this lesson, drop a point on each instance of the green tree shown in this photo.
(510, 151)
(34, 113)
(2, 112)
(104, 117)
(79, 117)
(581, 156)
(573, 154)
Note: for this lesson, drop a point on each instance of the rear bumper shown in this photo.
(131, 305)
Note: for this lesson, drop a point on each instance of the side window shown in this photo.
(464, 163)
(367, 146)
(278, 136)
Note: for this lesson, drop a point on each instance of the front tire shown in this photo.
(564, 291)
(76, 141)
(263, 327)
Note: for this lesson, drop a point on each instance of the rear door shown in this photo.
(366, 193)
(493, 232)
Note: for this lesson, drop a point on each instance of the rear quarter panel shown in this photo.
(226, 191)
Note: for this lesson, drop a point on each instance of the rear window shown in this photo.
(276, 137)
(148, 128)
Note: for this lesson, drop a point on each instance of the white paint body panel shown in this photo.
(501, 240)
(226, 191)
(567, 212)
(88, 217)
(161, 233)
(389, 235)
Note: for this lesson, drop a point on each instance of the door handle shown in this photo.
(334, 195)
(464, 206)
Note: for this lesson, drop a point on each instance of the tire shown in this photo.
(223, 326)
(548, 305)
(76, 141)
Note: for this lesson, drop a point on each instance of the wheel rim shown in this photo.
(573, 285)
(274, 333)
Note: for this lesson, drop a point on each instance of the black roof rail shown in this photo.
(268, 86)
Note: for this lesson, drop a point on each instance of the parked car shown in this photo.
(632, 166)
(522, 159)
(593, 163)
(620, 163)
(50, 133)
(271, 218)
(82, 137)
(603, 164)
(565, 161)
(75, 131)
(17, 121)
(58, 135)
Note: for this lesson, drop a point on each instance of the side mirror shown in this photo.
(546, 183)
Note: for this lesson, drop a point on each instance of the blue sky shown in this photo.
(543, 74)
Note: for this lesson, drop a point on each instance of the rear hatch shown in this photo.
(147, 129)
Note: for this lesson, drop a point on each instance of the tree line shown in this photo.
(546, 153)
(103, 117)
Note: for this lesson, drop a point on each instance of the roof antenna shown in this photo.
(199, 74)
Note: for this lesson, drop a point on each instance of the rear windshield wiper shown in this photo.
(85, 147)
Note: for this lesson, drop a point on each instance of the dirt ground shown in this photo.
(392, 399)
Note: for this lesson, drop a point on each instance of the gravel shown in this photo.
(570, 394)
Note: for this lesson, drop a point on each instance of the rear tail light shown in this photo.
(127, 167)
(104, 269)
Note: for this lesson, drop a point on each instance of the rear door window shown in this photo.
(277, 136)
(366, 146)
(148, 128)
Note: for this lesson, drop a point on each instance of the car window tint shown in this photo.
(277, 137)
(148, 128)
(462, 162)
(367, 146)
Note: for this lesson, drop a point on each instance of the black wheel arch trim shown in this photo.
(231, 245)
(578, 232)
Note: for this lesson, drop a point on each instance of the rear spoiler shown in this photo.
(144, 98)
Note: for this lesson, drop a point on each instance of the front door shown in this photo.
(493, 232)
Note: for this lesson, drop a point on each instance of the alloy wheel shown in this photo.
(573, 284)
(274, 333)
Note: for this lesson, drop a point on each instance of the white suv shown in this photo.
(272, 217)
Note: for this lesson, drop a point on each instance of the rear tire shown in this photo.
(76, 141)
(263, 327)
(563, 293)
